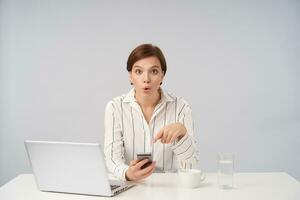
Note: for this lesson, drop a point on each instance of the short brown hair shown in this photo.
(144, 51)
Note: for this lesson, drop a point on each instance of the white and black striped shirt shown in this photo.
(128, 133)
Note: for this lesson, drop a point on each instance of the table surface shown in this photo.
(166, 186)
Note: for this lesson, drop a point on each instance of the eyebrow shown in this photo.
(137, 66)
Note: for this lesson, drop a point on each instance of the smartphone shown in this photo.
(142, 156)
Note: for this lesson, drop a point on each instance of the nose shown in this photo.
(146, 78)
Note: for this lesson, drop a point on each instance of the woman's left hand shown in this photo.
(170, 133)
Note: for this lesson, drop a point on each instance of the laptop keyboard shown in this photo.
(112, 187)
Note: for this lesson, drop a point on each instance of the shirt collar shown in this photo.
(165, 96)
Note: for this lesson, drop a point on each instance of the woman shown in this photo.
(148, 119)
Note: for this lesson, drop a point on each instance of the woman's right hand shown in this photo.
(135, 173)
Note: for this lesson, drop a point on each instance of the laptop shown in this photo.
(77, 168)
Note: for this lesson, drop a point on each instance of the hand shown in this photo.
(170, 133)
(135, 173)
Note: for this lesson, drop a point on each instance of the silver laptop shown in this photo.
(66, 167)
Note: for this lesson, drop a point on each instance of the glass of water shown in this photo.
(225, 170)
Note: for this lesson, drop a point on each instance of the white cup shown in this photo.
(190, 178)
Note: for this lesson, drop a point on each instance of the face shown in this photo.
(146, 76)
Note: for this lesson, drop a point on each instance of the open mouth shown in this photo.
(147, 88)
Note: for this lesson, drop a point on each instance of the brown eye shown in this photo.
(138, 71)
(154, 71)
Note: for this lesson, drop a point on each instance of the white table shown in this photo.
(165, 186)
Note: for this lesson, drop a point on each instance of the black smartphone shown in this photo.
(142, 156)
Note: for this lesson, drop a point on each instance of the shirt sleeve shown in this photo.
(185, 149)
(113, 143)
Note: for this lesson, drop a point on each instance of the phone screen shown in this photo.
(142, 156)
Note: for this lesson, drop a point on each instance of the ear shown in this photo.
(130, 76)
(162, 77)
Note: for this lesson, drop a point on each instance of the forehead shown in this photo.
(148, 62)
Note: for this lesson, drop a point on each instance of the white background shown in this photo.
(235, 62)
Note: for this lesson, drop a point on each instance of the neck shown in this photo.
(150, 101)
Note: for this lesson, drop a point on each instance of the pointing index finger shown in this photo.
(158, 135)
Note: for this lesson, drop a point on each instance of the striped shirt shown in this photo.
(128, 133)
